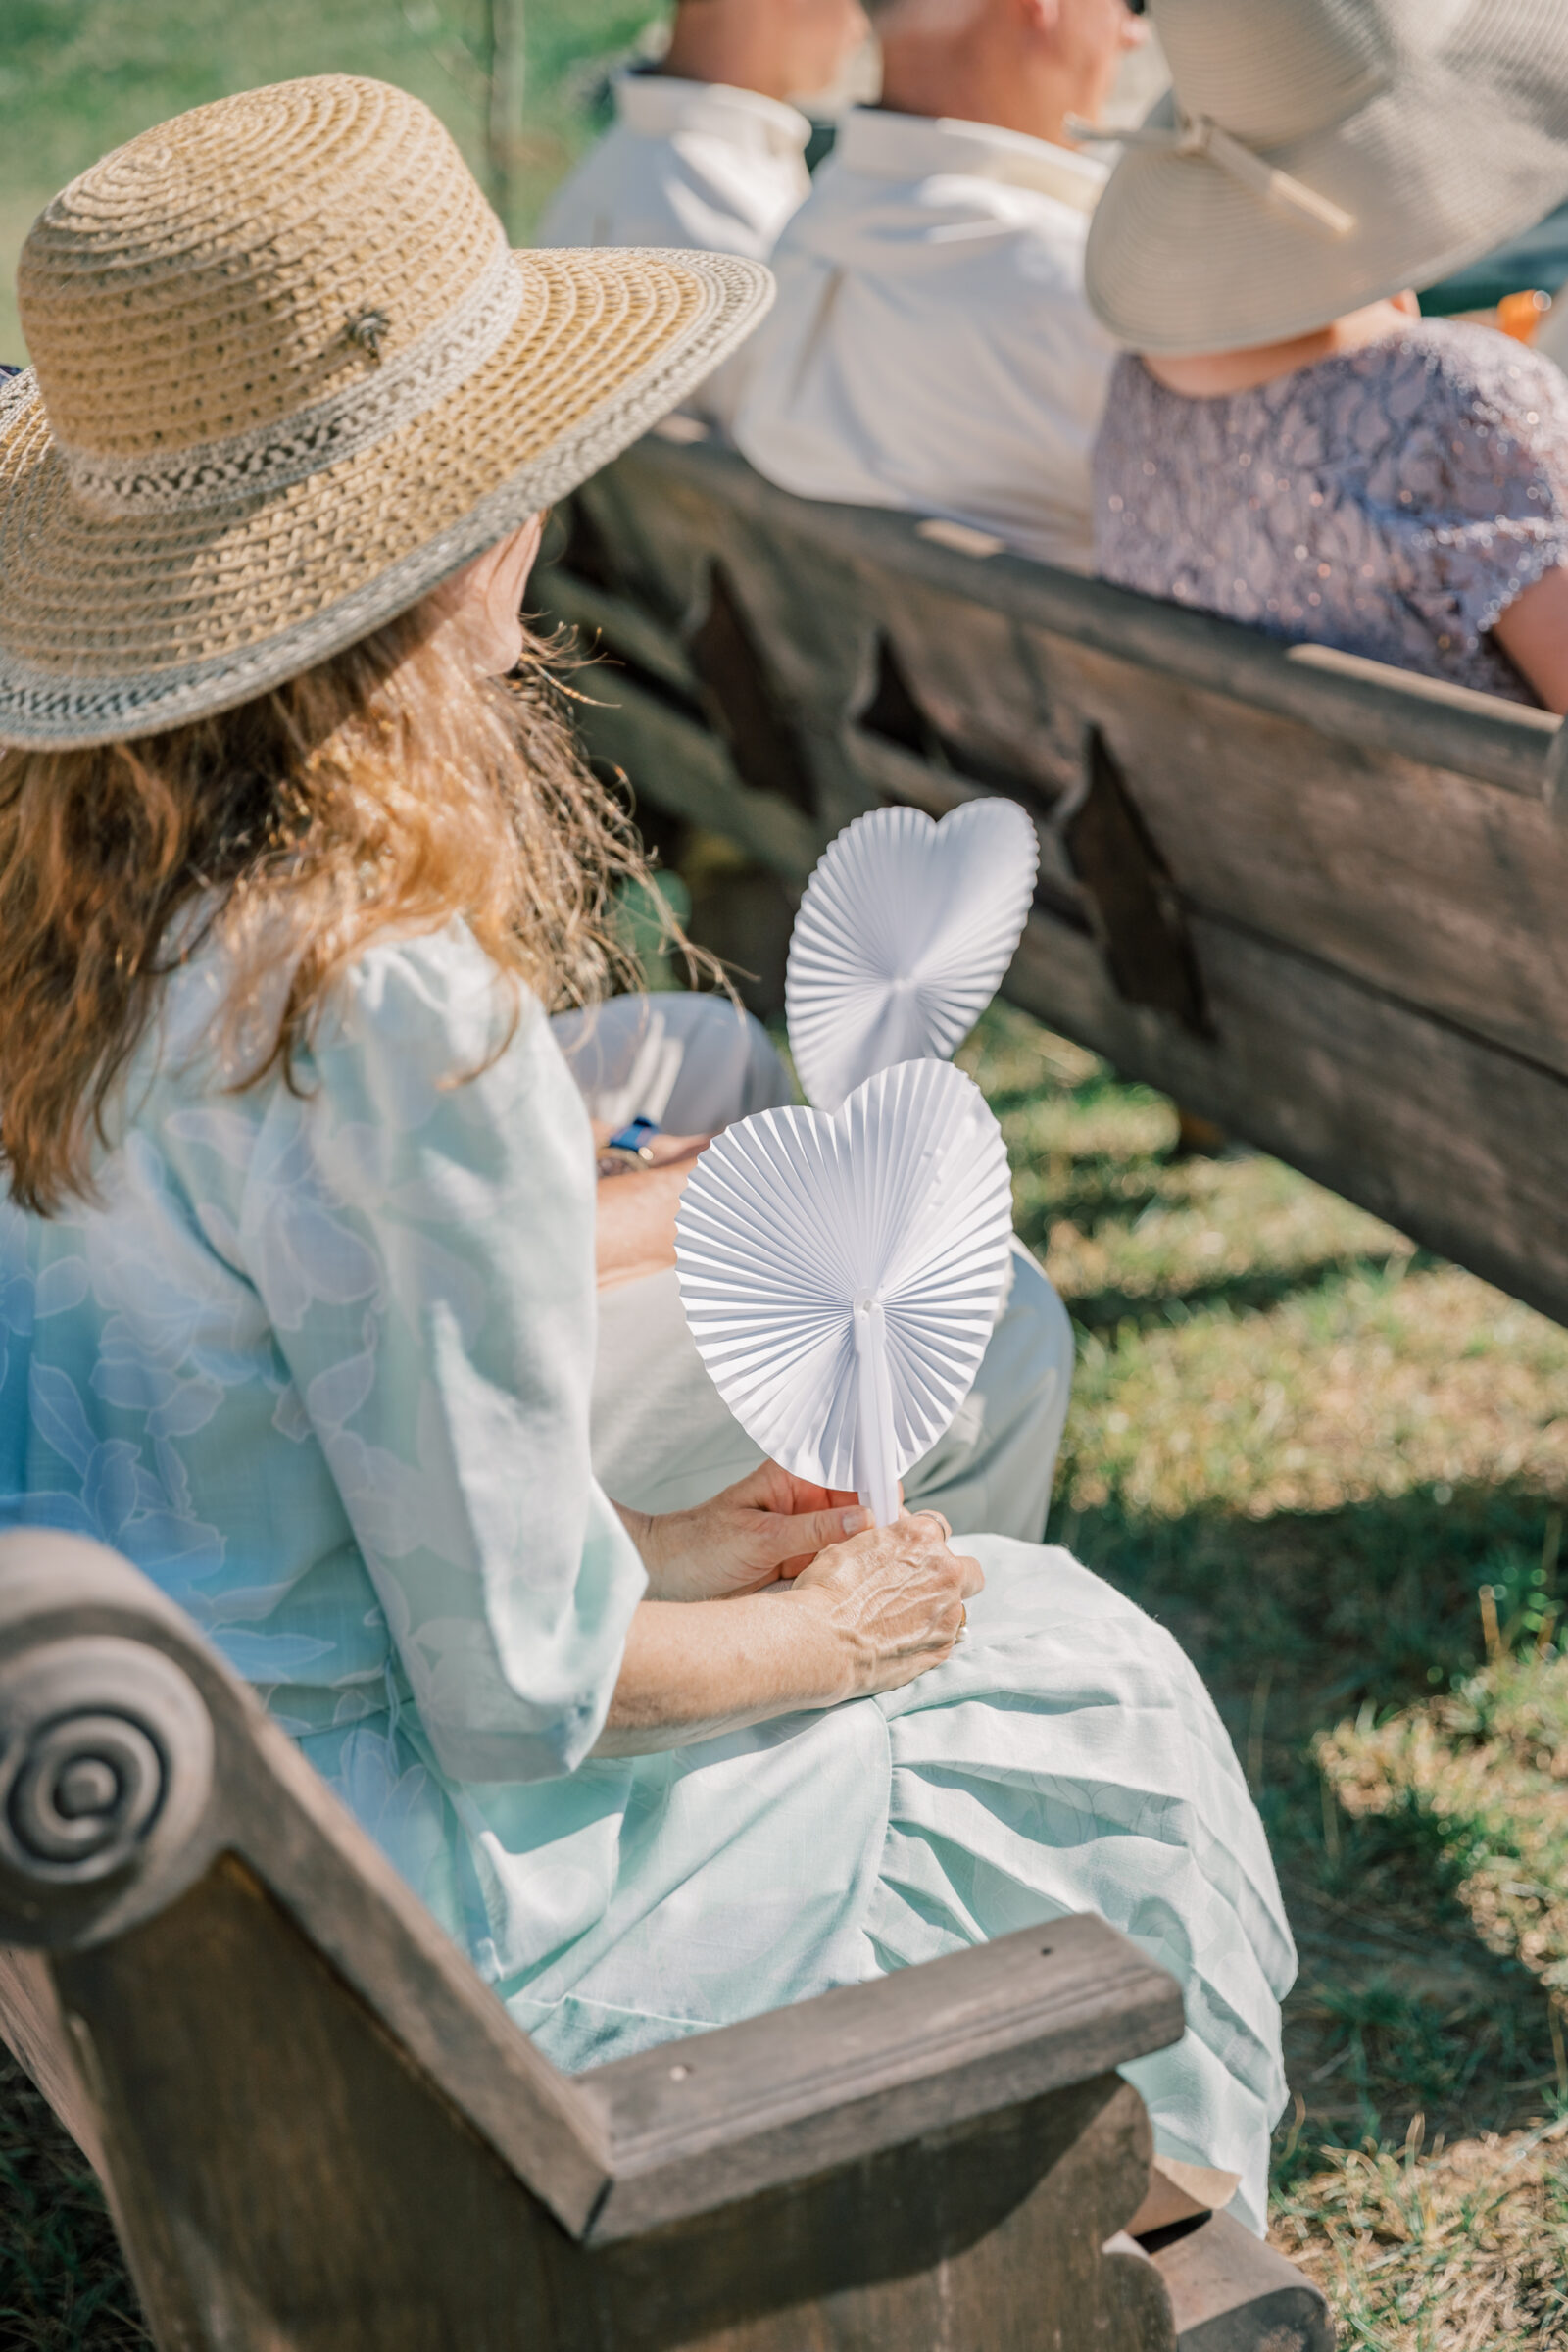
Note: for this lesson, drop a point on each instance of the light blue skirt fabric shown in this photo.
(1066, 1759)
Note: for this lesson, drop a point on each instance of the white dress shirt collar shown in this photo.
(912, 147)
(658, 106)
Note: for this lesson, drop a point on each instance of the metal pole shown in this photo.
(505, 73)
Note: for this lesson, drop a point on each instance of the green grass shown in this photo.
(1337, 1469)
(80, 76)
(63, 2287)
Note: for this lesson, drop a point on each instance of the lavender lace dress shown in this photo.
(1392, 501)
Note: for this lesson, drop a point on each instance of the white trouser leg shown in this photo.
(691, 1063)
(991, 1474)
(663, 1436)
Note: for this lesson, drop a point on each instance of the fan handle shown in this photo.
(875, 1476)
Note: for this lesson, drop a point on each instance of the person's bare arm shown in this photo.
(1534, 634)
(634, 1232)
(866, 1615)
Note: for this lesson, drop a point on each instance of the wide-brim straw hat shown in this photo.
(1315, 156)
(288, 378)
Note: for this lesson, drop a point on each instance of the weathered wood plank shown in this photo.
(1358, 701)
(1429, 885)
(1459, 1145)
(1439, 885)
(35, 2032)
(789, 2094)
(281, 2176)
(348, 1901)
(1230, 2293)
(988, 2237)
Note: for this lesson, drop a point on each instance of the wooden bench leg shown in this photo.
(1230, 2293)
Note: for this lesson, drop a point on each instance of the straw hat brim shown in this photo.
(1436, 171)
(114, 627)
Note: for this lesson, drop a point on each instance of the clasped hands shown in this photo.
(889, 1602)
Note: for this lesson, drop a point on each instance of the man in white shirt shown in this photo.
(931, 347)
(706, 152)
(707, 149)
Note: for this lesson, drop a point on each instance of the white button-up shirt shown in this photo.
(931, 348)
(686, 164)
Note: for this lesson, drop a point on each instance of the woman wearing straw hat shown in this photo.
(296, 1267)
(1294, 447)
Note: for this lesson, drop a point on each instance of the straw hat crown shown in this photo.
(287, 378)
(1316, 155)
(248, 261)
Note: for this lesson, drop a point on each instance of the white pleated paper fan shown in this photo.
(904, 936)
(842, 1275)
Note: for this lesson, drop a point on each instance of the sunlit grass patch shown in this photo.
(1466, 2251)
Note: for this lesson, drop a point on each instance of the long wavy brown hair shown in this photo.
(385, 790)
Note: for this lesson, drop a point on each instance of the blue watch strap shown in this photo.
(633, 1135)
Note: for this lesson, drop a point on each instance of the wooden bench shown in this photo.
(320, 2132)
(1318, 900)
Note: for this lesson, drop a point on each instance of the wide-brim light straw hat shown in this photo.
(1315, 156)
(288, 377)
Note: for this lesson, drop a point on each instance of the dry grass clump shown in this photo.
(1466, 2251)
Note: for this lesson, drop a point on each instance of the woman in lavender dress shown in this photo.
(1294, 446)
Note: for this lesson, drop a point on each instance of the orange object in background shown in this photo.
(1523, 316)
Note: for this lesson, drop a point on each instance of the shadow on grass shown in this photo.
(1247, 1291)
(1296, 1622)
(1375, 1599)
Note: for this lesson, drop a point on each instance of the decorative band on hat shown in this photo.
(1199, 136)
(270, 458)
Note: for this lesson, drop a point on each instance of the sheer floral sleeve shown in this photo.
(423, 1249)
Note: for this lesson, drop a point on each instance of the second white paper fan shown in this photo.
(842, 1275)
(904, 936)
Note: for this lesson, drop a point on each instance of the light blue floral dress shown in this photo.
(319, 1364)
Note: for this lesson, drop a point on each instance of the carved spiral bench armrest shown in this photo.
(106, 1747)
